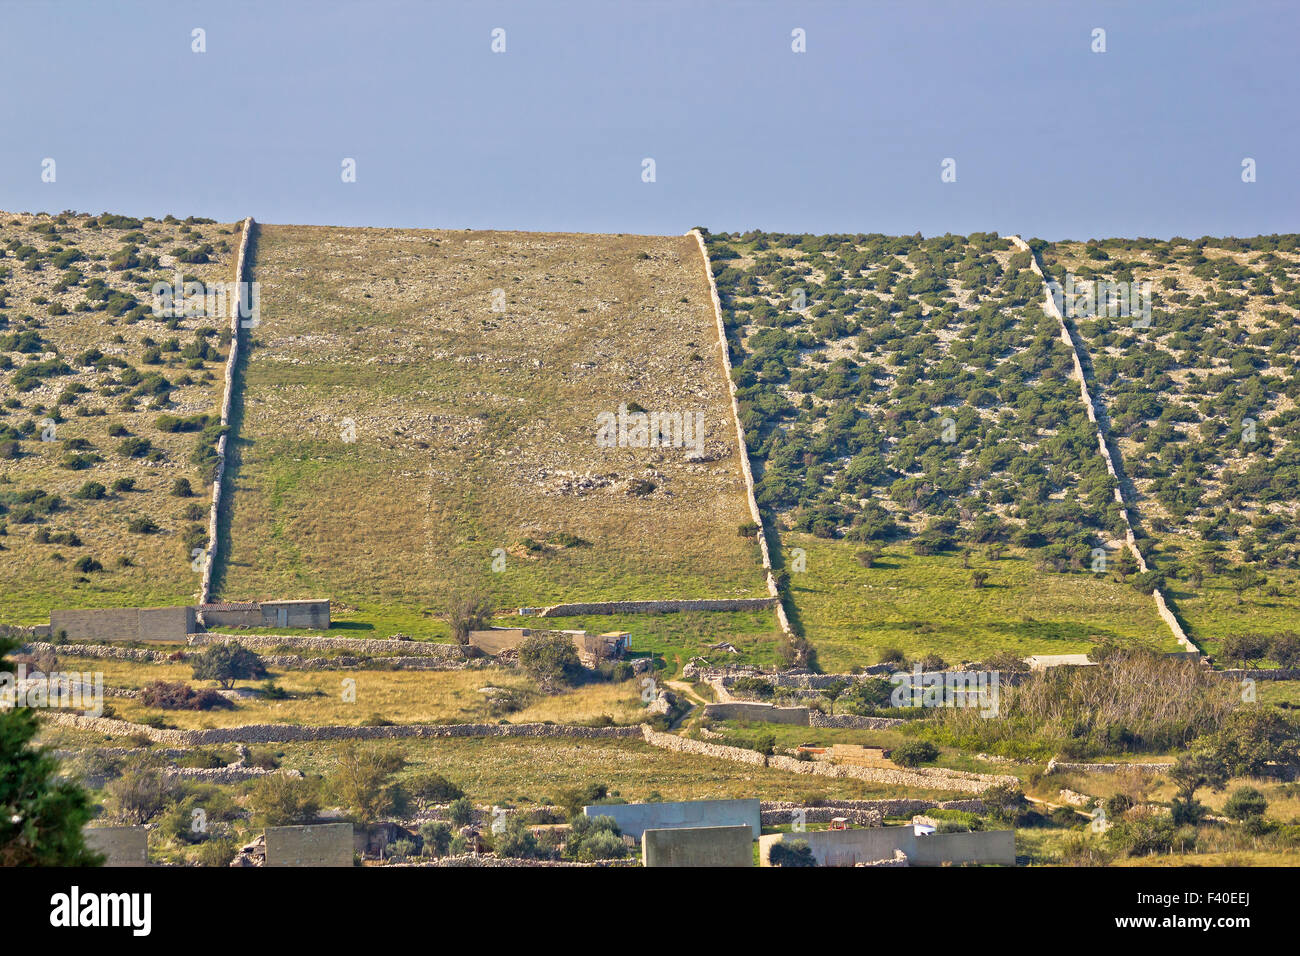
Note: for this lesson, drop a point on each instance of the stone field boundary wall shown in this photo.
(232, 361)
(1055, 766)
(740, 433)
(286, 661)
(360, 645)
(934, 779)
(659, 607)
(698, 846)
(1090, 406)
(288, 733)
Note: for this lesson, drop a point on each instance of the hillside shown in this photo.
(415, 400)
(907, 392)
(1201, 397)
(104, 445)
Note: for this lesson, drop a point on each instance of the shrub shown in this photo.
(181, 488)
(791, 853)
(1245, 802)
(278, 800)
(177, 695)
(434, 788)
(436, 836)
(461, 811)
(90, 491)
(142, 525)
(134, 447)
(914, 754)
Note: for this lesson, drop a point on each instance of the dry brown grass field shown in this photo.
(395, 430)
(76, 300)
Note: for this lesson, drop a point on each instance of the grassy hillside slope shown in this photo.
(415, 400)
(103, 406)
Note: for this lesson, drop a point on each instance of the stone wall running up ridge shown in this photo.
(740, 432)
(232, 360)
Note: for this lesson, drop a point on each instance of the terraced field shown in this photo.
(105, 409)
(418, 404)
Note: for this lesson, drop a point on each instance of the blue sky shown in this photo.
(1050, 139)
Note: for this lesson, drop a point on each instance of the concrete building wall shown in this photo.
(635, 818)
(121, 846)
(850, 847)
(309, 614)
(497, 639)
(698, 846)
(242, 617)
(326, 844)
(982, 846)
(168, 625)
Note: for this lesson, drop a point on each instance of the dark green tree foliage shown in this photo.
(227, 663)
(918, 371)
(41, 816)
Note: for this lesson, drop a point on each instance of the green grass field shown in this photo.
(926, 605)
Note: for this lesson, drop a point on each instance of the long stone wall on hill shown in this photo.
(745, 468)
(232, 361)
(1090, 406)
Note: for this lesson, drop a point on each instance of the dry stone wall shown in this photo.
(288, 733)
(935, 779)
(232, 361)
(740, 432)
(359, 645)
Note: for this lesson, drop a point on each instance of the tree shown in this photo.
(1244, 648)
(461, 811)
(1284, 649)
(978, 578)
(551, 660)
(1243, 577)
(41, 816)
(227, 663)
(363, 781)
(1197, 768)
(468, 611)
